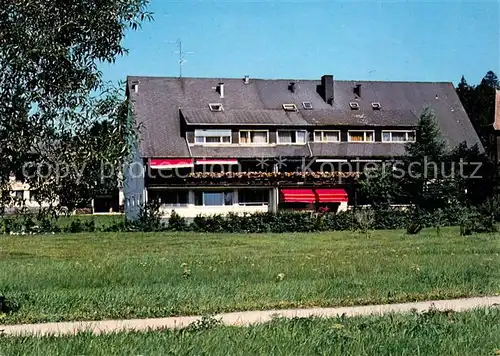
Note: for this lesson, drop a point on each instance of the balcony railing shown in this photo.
(258, 178)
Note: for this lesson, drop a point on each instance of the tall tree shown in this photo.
(479, 103)
(49, 55)
(424, 161)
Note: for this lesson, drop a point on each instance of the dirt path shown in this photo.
(243, 318)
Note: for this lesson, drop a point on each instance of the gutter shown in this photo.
(189, 147)
(309, 147)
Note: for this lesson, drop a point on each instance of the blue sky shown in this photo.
(363, 40)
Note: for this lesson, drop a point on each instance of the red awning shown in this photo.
(228, 161)
(171, 163)
(331, 195)
(298, 196)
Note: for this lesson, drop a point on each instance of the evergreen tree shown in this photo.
(424, 162)
(479, 103)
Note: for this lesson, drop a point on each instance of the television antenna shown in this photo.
(182, 55)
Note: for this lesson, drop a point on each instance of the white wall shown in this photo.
(191, 210)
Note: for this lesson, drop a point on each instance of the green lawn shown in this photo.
(470, 333)
(128, 275)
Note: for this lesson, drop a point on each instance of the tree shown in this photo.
(479, 103)
(51, 91)
(424, 163)
(465, 92)
(380, 187)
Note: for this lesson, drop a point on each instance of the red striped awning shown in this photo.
(228, 161)
(171, 163)
(326, 195)
(298, 195)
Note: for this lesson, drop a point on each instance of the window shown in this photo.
(215, 198)
(253, 197)
(216, 107)
(307, 105)
(171, 197)
(360, 136)
(19, 194)
(376, 106)
(212, 136)
(254, 137)
(290, 137)
(354, 105)
(326, 136)
(289, 107)
(398, 136)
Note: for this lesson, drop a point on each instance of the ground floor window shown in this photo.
(213, 198)
(170, 197)
(253, 197)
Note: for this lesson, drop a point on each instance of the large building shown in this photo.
(218, 145)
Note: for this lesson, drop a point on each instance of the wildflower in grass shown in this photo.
(184, 265)
(338, 326)
(280, 277)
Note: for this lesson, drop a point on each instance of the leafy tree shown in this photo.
(380, 187)
(52, 92)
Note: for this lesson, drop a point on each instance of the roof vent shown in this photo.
(307, 105)
(289, 107)
(135, 87)
(354, 105)
(216, 107)
(376, 105)
(246, 79)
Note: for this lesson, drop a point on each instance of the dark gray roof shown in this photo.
(357, 149)
(370, 117)
(251, 152)
(243, 117)
(158, 100)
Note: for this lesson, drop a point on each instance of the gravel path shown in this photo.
(243, 318)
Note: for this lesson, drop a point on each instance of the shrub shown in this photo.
(341, 221)
(7, 305)
(364, 219)
(149, 218)
(177, 222)
(414, 228)
(476, 220)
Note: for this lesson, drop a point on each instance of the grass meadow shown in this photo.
(137, 275)
(433, 333)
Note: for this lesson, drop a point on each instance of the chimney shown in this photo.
(221, 90)
(357, 90)
(247, 79)
(327, 88)
(292, 87)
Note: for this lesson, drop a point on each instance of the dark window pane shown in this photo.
(198, 198)
(228, 198)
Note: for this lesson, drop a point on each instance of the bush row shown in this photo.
(470, 219)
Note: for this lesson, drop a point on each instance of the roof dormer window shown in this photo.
(289, 107)
(354, 105)
(376, 106)
(307, 105)
(216, 107)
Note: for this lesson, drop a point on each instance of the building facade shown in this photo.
(212, 145)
